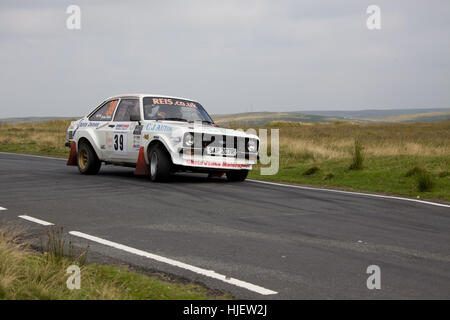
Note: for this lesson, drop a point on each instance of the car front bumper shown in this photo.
(213, 162)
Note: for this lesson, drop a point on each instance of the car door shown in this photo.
(102, 118)
(126, 133)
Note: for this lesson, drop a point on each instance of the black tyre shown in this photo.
(160, 163)
(87, 160)
(237, 175)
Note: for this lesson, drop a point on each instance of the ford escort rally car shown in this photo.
(159, 135)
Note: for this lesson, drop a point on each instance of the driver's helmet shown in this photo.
(170, 111)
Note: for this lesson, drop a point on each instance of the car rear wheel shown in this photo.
(160, 164)
(237, 175)
(87, 160)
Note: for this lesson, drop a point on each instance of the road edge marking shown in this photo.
(182, 265)
(350, 192)
(44, 223)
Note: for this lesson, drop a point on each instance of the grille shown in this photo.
(204, 140)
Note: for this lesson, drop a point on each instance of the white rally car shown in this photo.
(159, 135)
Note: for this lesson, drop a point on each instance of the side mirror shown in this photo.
(135, 117)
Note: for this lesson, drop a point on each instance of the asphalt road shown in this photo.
(302, 244)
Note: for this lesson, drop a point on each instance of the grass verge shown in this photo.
(387, 175)
(400, 159)
(27, 274)
(46, 138)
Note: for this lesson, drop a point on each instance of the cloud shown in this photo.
(231, 55)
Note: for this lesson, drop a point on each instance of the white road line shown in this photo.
(1, 208)
(351, 192)
(44, 223)
(204, 272)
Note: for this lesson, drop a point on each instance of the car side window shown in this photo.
(126, 108)
(105, 112)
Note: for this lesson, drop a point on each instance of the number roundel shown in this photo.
(119, 142)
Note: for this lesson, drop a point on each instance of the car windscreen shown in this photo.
(174, 109)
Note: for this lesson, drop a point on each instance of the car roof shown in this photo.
(141, 95)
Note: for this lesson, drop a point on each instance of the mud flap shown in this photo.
(141, 165)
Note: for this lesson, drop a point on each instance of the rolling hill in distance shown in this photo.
(34, 119)
(262, 118)
(376, 114)
(362, 116)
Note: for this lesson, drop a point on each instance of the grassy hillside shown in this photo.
(374, 116)
(375, 113)
(418, 117)
(35, 138)
(396, 158)
(262, 118)
(34, 119)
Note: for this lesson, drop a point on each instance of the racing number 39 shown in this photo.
(120, 143)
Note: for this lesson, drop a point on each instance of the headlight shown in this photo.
(252, 145)
(188, 140)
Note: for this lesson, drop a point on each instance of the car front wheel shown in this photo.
(87, 160)
(160, 164)
(237, 175)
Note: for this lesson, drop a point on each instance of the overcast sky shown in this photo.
(232, 56)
